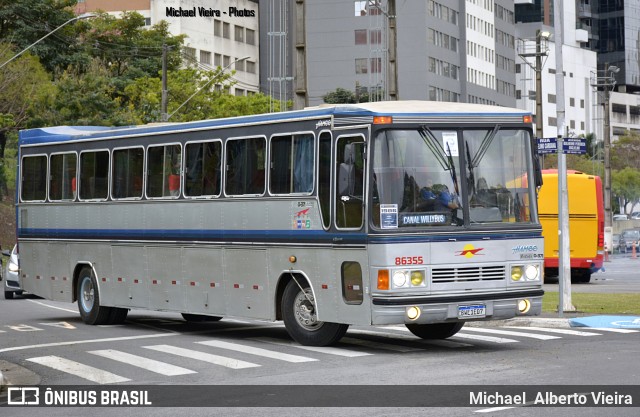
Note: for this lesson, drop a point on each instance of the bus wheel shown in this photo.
(300, 319)
(8, 295)
(435, 331)
(195, 318)
(91, 311)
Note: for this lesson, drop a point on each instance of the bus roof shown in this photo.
(410, 108)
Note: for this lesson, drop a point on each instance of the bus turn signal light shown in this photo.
(383, 279)
(382, 120)
(527, 119)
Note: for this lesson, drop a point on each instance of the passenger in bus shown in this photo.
(439, 196)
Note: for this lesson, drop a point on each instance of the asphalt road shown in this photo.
(46, 343)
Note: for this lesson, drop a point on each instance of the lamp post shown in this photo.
(205, 86)
(80, 17)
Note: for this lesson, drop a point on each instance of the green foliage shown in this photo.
(625, 184)
(84, 99)
(23, 22)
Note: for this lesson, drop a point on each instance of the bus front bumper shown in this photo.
(467, 307)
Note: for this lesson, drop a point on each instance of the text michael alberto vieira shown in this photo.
(208, 12)
(549, 398)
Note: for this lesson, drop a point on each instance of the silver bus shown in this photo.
(408, 212)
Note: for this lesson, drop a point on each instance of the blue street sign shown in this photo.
(547, 145)
(574, 146)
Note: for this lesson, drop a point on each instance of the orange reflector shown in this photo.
(381, 120)
(527, 119)
(383, 279)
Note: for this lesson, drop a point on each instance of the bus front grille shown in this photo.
(468, 274)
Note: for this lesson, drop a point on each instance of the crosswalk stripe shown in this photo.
(78, 369)
(614, 330)
(483, 338)
(236, 347)
(415, 339)
(554, 330)
(320, 349)
(144, 363)
(379, 345)
(203, 356)
(510, 333)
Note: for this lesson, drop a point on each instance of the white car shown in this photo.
(617, 217)
(12, 274)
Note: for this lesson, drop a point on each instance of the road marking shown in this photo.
(78, 369)
(491, 410)
(510, 333)
(554, 330)
(54, 307)
(80, 342)
(415, 339)
(379, 345)
(256, 351)
(614, 330)
(144, 363)
(61, 324)
(484, 338)
(321, 349)
(203, 356)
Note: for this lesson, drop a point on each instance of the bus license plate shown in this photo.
(469, 312)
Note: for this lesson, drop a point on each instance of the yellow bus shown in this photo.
(586, 223)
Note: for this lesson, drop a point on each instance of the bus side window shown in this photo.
(94, 173)
(245, 166)
(202, 169)
(164, 165)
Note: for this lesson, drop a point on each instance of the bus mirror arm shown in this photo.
(537, 167)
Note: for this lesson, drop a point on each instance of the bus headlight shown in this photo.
(417, 278)
(516, 273)
(400, 279)
(531, 272)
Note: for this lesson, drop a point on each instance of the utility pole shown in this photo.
(163, 112)
(564, 260)
(525, 51)
(605, 81)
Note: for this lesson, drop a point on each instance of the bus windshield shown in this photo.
(451, 177)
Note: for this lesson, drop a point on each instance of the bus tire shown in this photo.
(300, 319)
(118, 315)
(197, 318)
(435, 331)
(91, 311)
(8, 295)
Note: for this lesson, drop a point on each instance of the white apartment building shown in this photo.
(219, 32)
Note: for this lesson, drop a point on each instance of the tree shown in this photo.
(21, 81)
(625, 152)
(339, 96)
(207, 103)
(83, 98)
(625, 184)
(22, 22)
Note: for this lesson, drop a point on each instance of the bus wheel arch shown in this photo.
(297, 307)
